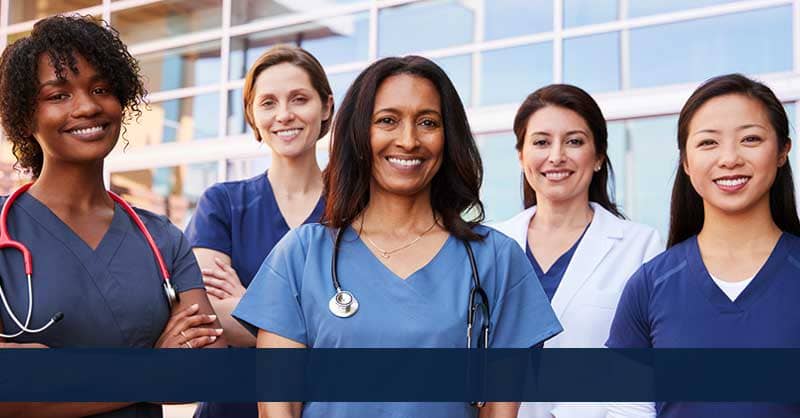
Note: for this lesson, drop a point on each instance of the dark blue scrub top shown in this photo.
(552, 278)
(111, 296)
(672, 302)
(242, 220)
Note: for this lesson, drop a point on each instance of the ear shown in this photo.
(598, 165)
(327, 108)
(783, 156)
(685, 166)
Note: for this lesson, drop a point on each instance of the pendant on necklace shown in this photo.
(384, 254)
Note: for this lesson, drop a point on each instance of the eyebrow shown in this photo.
(61, 81)
(394, 110)
(572, 132)
(740, 128)
(291, 92)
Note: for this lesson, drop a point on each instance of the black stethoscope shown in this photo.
(7, 242)
(344, 305)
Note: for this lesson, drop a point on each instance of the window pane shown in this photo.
(459, 69)
(592, 62)
(501, 192)
(332, 41)
(179, 120)
(588, 12)
(508, 18)
(195, 65)
(617, 151)
(509, 75)
(712, 46)
(339, 84)
(237, 125)
(418, 26)
(24, 10)
(171, 191)
(655, 157)
(638, 8)
(244, 11)
(167, 19)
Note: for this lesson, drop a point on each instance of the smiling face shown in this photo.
(558, 155)
(77, 119)
(406, 135)
(732, 154)
(287, 111)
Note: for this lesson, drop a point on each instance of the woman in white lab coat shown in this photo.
(580, 245)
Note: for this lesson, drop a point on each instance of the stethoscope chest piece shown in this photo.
(343, 304)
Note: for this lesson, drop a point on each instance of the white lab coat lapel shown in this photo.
(603, 232)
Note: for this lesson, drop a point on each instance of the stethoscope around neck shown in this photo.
(344, 304)
(7, 242)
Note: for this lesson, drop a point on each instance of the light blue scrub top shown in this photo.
(290, 293)
(111, 296)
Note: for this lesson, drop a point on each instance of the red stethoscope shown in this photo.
(7, 242)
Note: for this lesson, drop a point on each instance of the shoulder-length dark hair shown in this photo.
(579, 101)
(686, 209)
(454, 188)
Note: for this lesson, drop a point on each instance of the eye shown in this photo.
(268, 103)
(706, 143)
(300, 99)
(752, 139)
(429, 123)
(385, 120)
(56, 97)
(539, 142)
(101, 90)
(575, 141)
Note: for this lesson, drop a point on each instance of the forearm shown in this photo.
(57, 409)
(236, 334)
(279, 409)
(500, 410)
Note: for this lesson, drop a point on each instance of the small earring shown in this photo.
(596, 169)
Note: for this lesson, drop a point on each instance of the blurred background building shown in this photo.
(640, 59)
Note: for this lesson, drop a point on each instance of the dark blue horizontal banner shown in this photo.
(768, 375)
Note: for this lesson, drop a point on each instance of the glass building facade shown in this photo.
(639, 58)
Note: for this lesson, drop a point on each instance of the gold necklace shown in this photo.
(388, 253)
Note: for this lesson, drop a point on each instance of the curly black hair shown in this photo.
(61, 37)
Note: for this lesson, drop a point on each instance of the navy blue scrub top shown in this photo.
(111, 296)
(672, 302)
(241, 219)
(552, 278)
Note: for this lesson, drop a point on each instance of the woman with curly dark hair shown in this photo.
(106, 275)
(395, 265)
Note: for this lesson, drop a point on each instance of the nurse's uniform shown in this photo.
(673, 302)
(290, 293)
(111, 296)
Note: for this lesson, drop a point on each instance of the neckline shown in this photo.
(759, 283)
(539, 271)
(316, 212)
(352, 235)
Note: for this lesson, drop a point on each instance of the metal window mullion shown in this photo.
(478, 36)
(558, 41)
(372, 53)
(796, 35)
(624, 50)
(225, 48)
(107, 11)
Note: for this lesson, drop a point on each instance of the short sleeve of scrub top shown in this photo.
(111, 296)
(210, 226)
(631, 326)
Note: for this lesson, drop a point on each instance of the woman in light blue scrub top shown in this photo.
(729, 278)
(289, 104)
(404, 167)
(65, 91)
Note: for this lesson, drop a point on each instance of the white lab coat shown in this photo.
(611, 250)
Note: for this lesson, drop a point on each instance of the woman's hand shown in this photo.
(22, 345)
(222, 282)
(185, 330)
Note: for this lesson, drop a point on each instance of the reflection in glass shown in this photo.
(171, 191)
(712, 46)
(592, 62)
(179, 120)
(501, 192)
(332, 41)
(653, 143)
(459, 69)
(509, 18)
(589, 12)
(244, 11)
(165, 19)
(195, 65)
(638, 8)
(24, 10)
(508, 75)
(418, 26)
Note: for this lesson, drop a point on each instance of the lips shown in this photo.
(287, 134)
(557, 175)
(405, 163)
(88, 131)
(731, 183)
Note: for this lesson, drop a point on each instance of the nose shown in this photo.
(729, 156)
(407, 137)
(285, 113)
(556, 155)
(86, 105)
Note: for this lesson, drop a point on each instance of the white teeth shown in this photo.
(87, 131)
(406, 163)
(557, 175)
(731, 182)
(288, 133)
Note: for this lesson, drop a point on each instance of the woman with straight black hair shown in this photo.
(403, 169)
(579, 244)
(729, 275)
